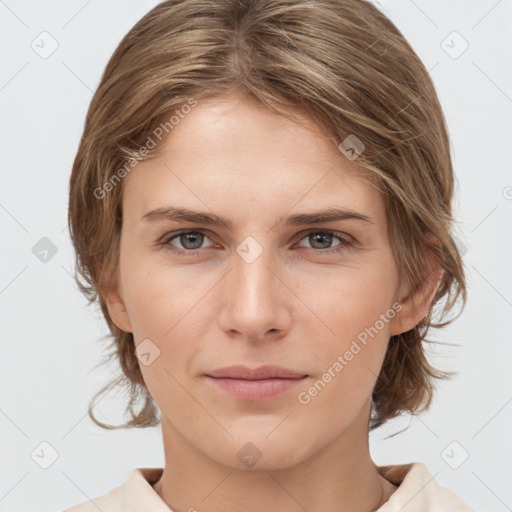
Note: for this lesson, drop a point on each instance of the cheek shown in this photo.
(160, 307)
(355, 309)
(165, 308)
(351, 300)
(156, 297)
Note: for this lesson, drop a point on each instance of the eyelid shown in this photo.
(341, 234)
(167, 237)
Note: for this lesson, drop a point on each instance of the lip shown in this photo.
(262, 372)
(260, 383)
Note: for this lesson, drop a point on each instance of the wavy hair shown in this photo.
(344, 64)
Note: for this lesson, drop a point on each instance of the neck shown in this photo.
(340, 477)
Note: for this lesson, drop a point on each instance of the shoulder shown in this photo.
(418, 491)
(135, 492)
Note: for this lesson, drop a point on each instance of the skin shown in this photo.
(290, 307)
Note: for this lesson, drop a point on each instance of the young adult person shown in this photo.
(261, 205)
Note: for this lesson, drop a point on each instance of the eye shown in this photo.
(189, 240)
(321, 241)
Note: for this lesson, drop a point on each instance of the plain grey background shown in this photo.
(54, 53)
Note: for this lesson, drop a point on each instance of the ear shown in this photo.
(114, 299)
(415, 306)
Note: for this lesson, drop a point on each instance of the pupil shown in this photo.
(193, 236)
(324, 236)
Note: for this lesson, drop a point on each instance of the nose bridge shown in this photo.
(255, 302)
(252, 274)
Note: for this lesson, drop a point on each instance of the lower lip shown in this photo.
(255, 389)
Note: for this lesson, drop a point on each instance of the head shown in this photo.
(257, 113)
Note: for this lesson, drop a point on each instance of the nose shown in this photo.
(256, 300)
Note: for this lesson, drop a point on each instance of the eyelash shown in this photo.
(345, 243)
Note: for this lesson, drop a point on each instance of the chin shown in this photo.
(257, 452)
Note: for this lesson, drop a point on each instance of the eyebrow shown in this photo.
(171, 213)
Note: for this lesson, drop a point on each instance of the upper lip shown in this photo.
(262, 372)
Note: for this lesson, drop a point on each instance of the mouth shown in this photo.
(260, 383)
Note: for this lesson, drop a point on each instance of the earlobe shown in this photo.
(114, 299)
(416, 306)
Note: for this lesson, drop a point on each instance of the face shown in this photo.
(269, 285)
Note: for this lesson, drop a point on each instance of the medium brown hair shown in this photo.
(343, 64)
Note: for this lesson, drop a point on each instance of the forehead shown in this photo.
(233, 154)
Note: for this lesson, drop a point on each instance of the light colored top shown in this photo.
(417, 492)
